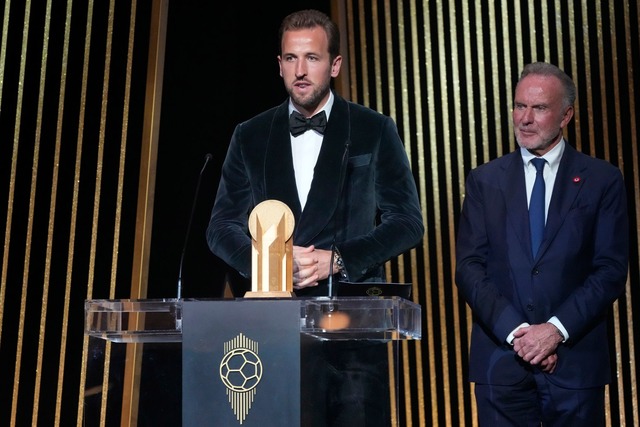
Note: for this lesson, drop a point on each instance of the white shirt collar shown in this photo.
(552, 157)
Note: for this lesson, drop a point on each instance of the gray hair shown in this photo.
(546, 69)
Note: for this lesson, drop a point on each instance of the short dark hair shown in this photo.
(312, 18)
(546, 69)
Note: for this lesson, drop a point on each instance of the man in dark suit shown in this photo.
(347, 180)
(539, 346)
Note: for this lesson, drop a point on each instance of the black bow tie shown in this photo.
(299, 124)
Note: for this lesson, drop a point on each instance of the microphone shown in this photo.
(343, 173)
(207, 158)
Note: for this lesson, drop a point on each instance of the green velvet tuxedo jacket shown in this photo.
(375, 217)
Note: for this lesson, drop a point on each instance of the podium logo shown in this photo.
(374, 291)
(240, 372)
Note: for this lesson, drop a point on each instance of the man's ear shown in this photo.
(335, 66)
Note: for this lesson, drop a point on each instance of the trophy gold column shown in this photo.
(271, 226)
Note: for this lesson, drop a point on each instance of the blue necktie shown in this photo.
(536, 207)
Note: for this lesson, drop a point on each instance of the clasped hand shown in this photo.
(310, 265)
(537, 344)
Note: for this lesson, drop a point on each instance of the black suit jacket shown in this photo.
(378, 214)
(579, 271)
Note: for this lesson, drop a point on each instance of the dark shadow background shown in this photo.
(220, 69)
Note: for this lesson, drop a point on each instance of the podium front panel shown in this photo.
(241, 363)
(142, 353)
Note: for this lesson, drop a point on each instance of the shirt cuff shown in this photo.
(556, 322)
(510, 337)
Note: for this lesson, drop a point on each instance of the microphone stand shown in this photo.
(207, 158)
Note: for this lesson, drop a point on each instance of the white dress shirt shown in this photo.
(305, 149)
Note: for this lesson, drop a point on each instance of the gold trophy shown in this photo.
(271, 226)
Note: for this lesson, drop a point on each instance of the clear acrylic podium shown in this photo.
(226, 361)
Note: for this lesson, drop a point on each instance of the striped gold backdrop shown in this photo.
(80, 90)
(445, 70)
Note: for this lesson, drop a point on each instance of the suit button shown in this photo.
(535, 272)
(529, 307)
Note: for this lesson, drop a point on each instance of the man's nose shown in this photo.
(527, 115)
(301, 69)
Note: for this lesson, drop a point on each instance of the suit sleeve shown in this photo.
(491, 308)
(227, 233)
(400, 225)
(608, 243)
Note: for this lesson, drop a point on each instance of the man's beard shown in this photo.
(311, 101)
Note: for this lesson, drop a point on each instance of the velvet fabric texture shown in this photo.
(375, 218)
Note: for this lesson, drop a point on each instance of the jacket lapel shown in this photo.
(279, 176)
(569, 180)
(325, 193)
(515, 194)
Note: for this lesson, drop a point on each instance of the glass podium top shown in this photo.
(325, 318)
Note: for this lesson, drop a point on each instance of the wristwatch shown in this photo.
(337, 260)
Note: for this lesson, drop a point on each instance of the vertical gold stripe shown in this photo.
(3, 60)
(459, 324)
(588, 83)
(352, 52)
(123, 142)
(437, 200)
(631, 72)
(419, 136)
(573, 35)
(532, 30)
(433, 136)
(392, 358)
(618, 141)
(559, 26)
(28, 238)
(408, 398)
(149, 150)
(339, 15)
(507, 82)
(480, 51)
(146, 188)
(12, 179)
(364, 76)
(388, 29)
(98, 190)
(456, 122)
(133, 400)
(388, 46)
(603, 87)
(52, 211)
(65, 319)
(482, 89)
(463, 317)
(545, 29)
(76, 195)
(517, 17)
(376, 53)
(497, 121)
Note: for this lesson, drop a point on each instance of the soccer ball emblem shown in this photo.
(241, 370)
